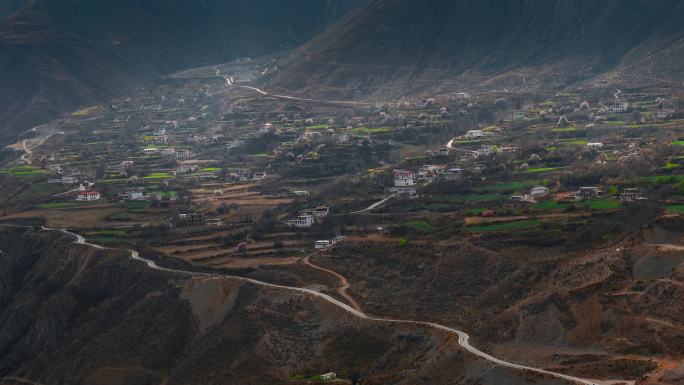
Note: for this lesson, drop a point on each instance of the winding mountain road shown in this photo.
(463, 338)
(344, 282)
(229, 83)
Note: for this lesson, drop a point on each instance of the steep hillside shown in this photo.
(76, 315)
(398, 46)
(59, 54)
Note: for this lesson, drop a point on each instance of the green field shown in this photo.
(159, 175)
(39, 189)
(574, 142)
(602, 204)
(539, 170)
(510, 186)
(678, 209)
(372, 130)
(24, 171)
(507, 226)
(474, 197)
(550, 205)
(66, 205)
(421, 226)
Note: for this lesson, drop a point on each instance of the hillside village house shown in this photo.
(539, 191)
(472, 134)
(258, 176)
(619, 107)
(404, 183)
(183, 153)
(443, 152)
(595, 146)
(302, 221)
(585, 193)
(168, 151)
(519, 115)
(632, 195)
(135, 196)
(88, 196)
(150, 151)
(452, 174)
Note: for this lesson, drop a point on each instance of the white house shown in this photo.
(183, 153)
(595, 146)
(88, 196)
(168, 151)
(619, 107)
(259, 176)
(150, 151)
(519, 115)
(302, 221)
(539, 191)
(328, 376)
(135, 196)
(68, 180)
(472, 134)
(403, 178)
(322, 245)
(300, 193)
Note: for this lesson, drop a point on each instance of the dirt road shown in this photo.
(463, 338)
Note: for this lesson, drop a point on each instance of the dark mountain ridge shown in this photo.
(60, 54)
(406, 45)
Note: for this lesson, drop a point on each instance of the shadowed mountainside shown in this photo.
(395, 46)
(76, 315)
(61, 54)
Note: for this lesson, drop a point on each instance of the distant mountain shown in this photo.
(8, 7)
(56, 55)
(406, 45)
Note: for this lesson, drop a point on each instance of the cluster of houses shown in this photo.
(583, 194)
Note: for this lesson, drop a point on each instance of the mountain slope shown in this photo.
(403, 44)
(57, 55)
(76, 315)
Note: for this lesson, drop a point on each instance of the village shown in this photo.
(224, 177)
(212, 176)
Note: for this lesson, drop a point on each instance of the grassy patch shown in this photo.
(159, 175)
(550, 205)
(507, 226)
(317, 127)
(66, 205)
(602, 204)
(510, 186)
(372, 130)
(40, 189)
(421, 226)
(539, 170)
(574, 142)
(474, 197)
(24, 171)
(677, 209)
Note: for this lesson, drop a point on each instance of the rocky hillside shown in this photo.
(390, 47)
(60, 54)
(76, 315)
